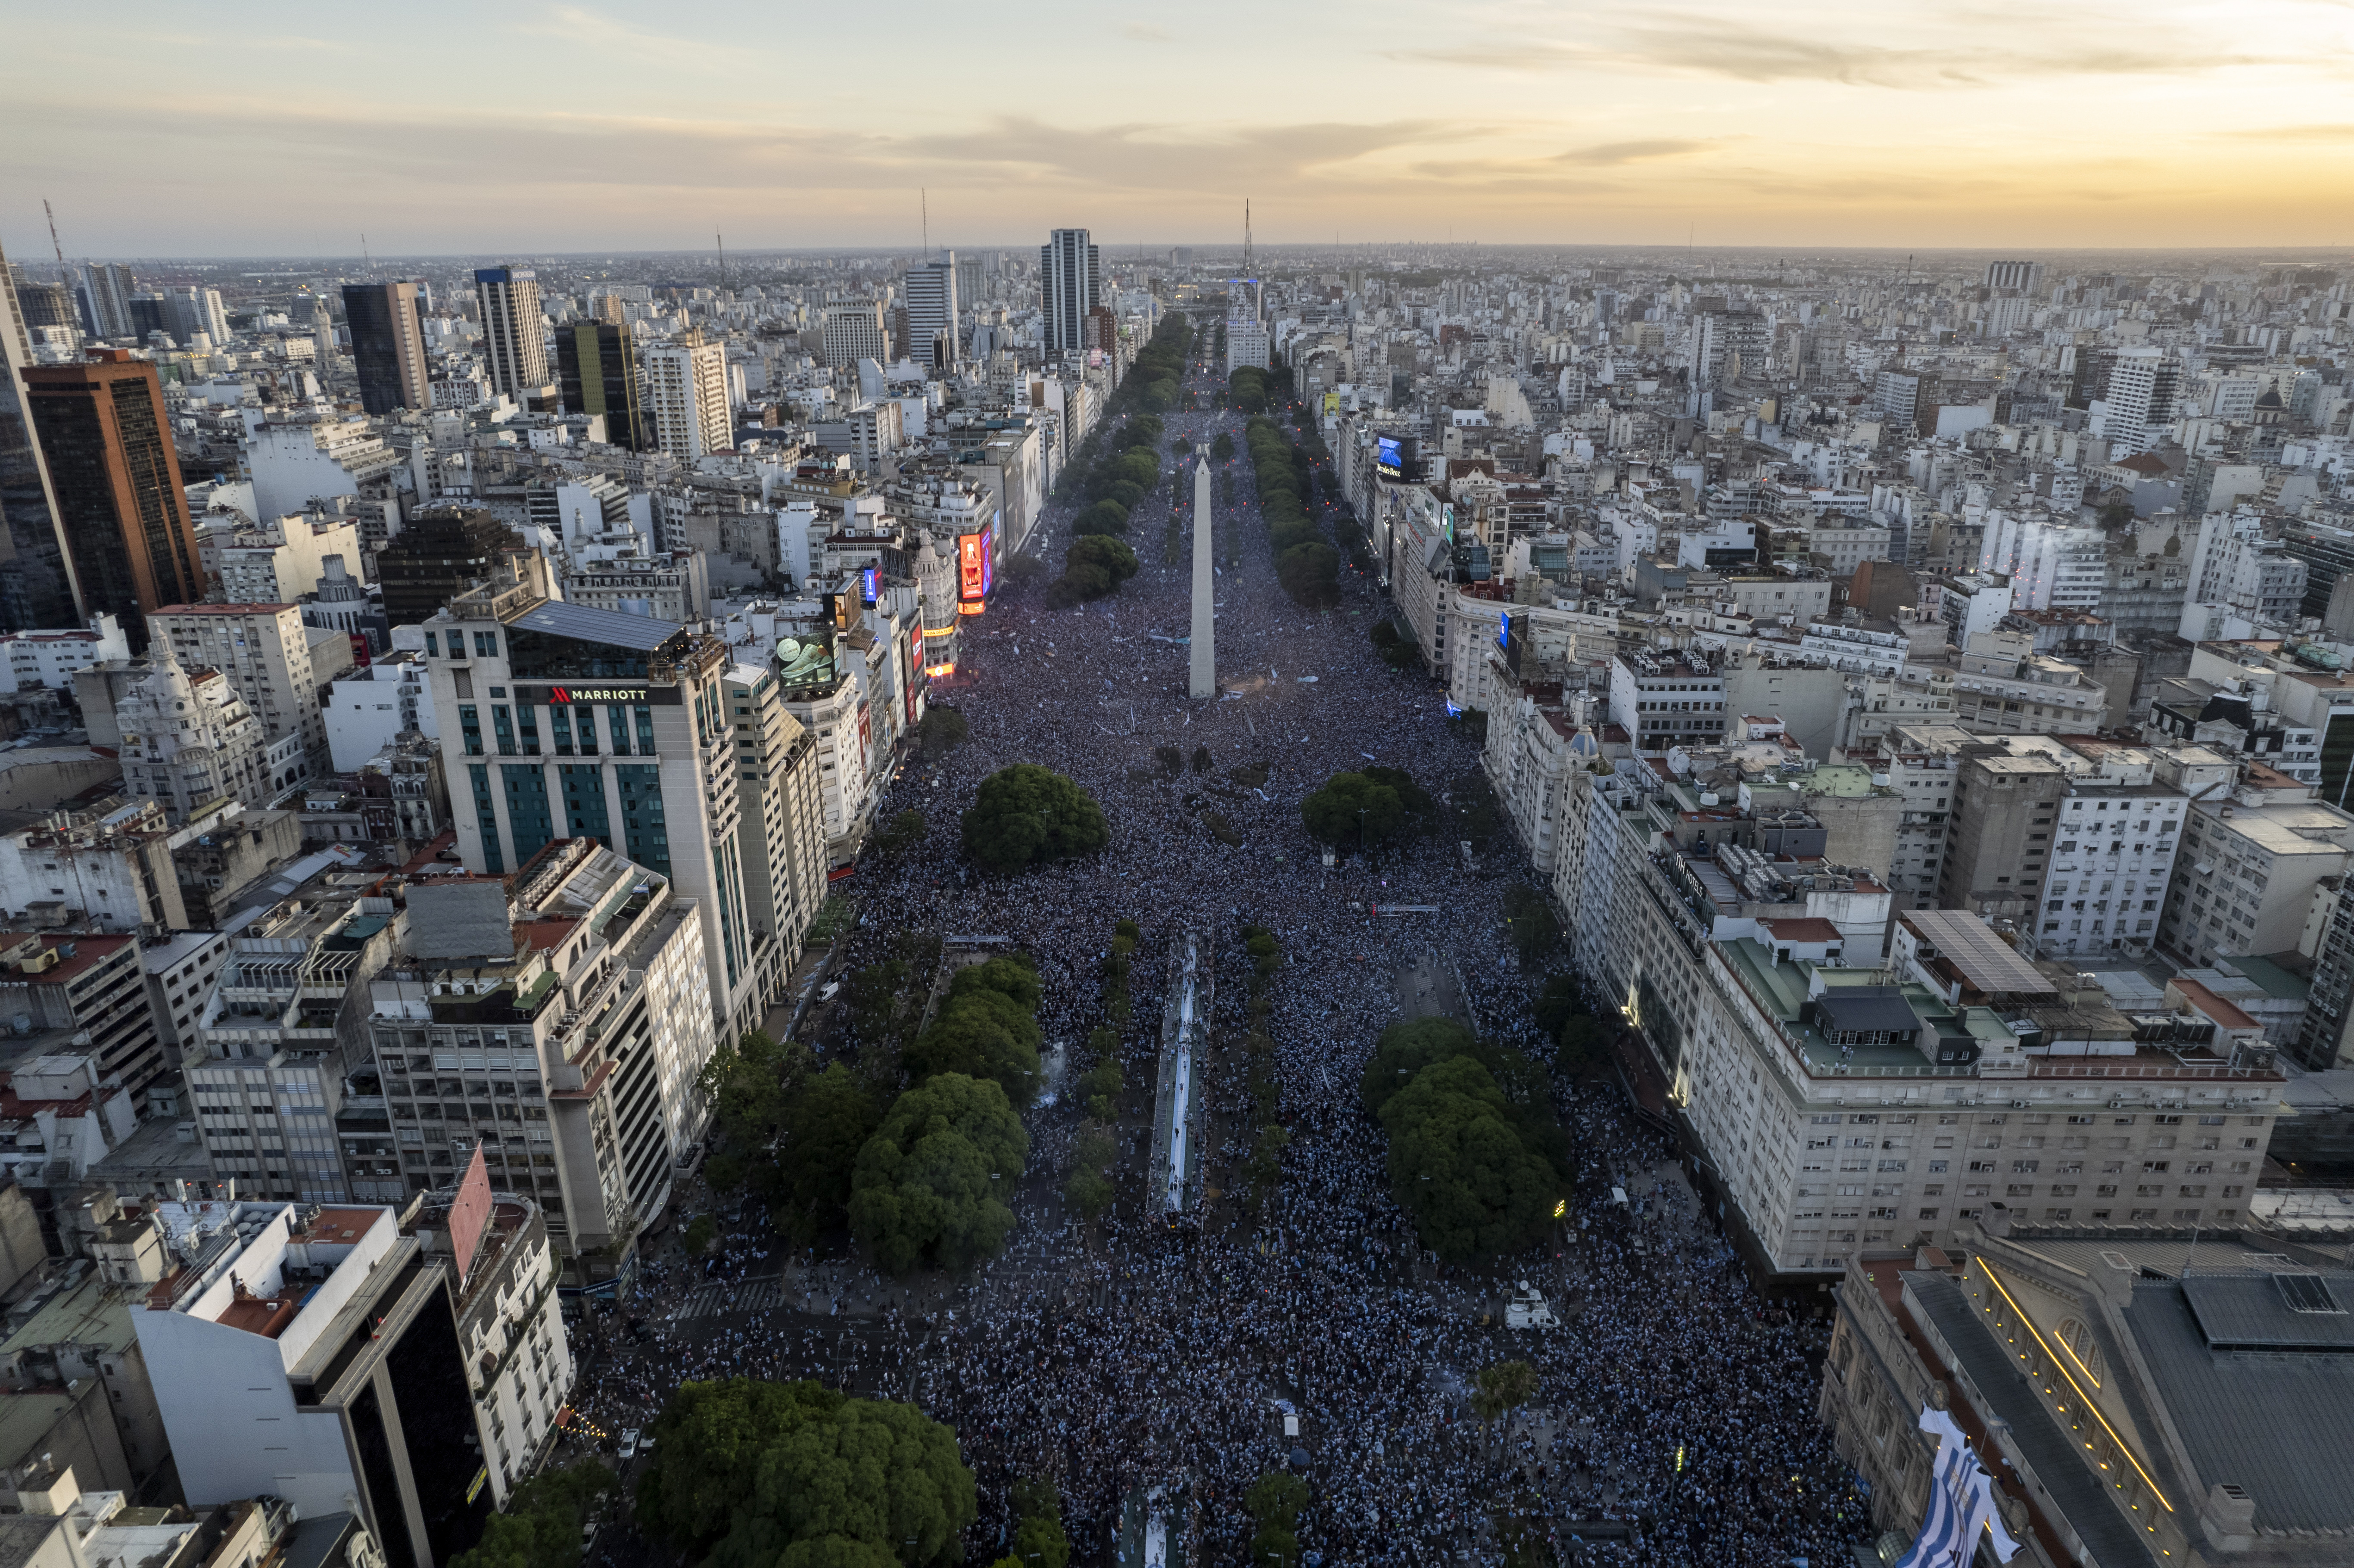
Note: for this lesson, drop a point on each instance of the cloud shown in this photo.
(1155, 156)
(2292, 133)
(1148, 32)
(1611, 154)
(1708, 47)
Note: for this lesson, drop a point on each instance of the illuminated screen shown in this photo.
(973, 568)
(871, 576)
(1387, 460)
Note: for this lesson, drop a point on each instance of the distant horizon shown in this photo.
(581, 126)
(1156, 252)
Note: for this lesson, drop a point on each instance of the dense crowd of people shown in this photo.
(1673, 1417)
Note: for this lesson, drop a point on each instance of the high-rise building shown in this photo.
(853, 331)
(36, 583)
(265, 651)
(514, 340)
(46, 304)
(2026, 277)
(1070, 282)
(596, 366)
(440, 554)
(193, 310)
(106, 290)
(124, 512)
(932, 312)
(312, 1354)
(2143, 386)
(575, 1003)
(686, 397)
(387, 345)
(562, 722)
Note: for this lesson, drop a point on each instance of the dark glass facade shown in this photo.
(596, 368)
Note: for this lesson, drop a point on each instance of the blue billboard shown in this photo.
(1388, 460)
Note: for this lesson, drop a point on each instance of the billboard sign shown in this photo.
(973, 568)
(1447, 522)
(869, 583)
(1387, 457)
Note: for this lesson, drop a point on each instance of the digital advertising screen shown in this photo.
(973, 568)
(1387, 459)
(869, 583)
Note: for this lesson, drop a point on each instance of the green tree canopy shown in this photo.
(932, 1183)
(1276, 1499)
(1536, 928)
(983, 1031)
(825, 1126)
(1460, 1166)
(941, 729)
(1104, 518)
(1008, 976)
(763, 1474)
(1025, 815)
(1333, 814)
(749, 1084)
(1115, 560)
(1505, 1386)
(1125, 494)
(1311, 573)
(1405, 1049)
(1222, 447)
(541, 1525)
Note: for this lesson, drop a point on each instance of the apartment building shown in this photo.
(558, 1031)
(2004, 687)
(2244, 877)
(264, 651)
(1848, 1109)
(777, 786)
(278, 1048)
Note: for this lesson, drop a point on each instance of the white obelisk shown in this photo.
(1203, 680)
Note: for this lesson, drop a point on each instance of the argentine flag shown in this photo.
(1961, 1503)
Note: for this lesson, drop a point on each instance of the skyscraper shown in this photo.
(1070, 280)
(387, 345)
(106, 290)
(513, 338)
(932, 312)
(37, 585)
(124, 513)
(2143, 385)
(853, 331)
(686, 397)
(596, 366)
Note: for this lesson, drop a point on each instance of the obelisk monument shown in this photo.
(1204, 680)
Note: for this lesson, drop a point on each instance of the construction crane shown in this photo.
(53, 233)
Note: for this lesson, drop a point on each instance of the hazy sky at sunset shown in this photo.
(528, 127)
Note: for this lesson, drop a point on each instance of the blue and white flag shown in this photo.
(1961, 1503)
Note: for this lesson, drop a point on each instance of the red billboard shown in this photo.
(973, 568)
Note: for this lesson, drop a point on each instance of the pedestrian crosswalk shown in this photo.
(735, 1295)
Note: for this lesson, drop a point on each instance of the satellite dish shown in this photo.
(1679, 762)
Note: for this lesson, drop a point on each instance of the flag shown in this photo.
(1961, 1503)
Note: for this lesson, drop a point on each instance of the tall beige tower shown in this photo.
(1202, 681)
(515, 337)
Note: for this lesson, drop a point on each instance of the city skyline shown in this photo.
(1498, 123)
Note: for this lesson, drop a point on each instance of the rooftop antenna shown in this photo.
(722, 241)
(924, 207)
(367, 265)
(53, 234)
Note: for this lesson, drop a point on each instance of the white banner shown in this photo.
(1961, 1503)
